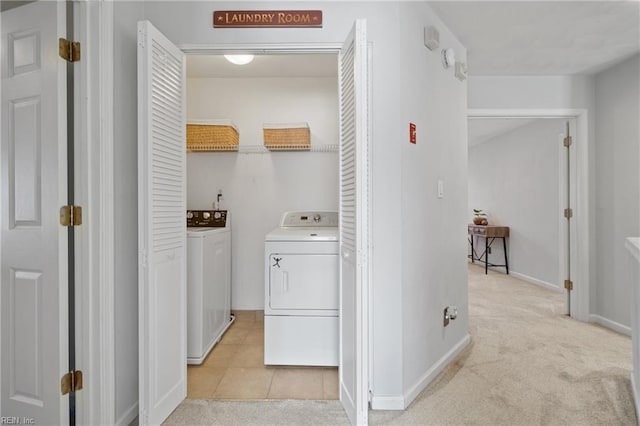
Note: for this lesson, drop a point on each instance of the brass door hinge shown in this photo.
(71, 382)
(568, 284)
(69, 50)
(70, 215)
(568, 141)
(568, 213)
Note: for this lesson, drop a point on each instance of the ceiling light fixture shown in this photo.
(239, 59)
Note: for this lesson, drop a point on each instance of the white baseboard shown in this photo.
(636, 396)
(612, 325)
(431, 374)
(392, 402)
(536, 281)
(387, 403)
(128, 416)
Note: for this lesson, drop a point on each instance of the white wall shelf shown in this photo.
(261, 149)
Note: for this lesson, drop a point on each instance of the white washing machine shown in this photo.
(301, 290)
(208, 281)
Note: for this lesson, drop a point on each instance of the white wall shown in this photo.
(125, 139)
(531, 92)
(515, 179)
(250, 102)
(405, 354)
(433, 246)
(258, 188)
(617, 184)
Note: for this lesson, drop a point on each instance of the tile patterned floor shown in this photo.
(235, 370)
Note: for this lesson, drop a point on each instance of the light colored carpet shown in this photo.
(527, 365)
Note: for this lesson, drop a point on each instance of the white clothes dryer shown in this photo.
(301, 290)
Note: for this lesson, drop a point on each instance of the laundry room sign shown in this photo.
(267, 19)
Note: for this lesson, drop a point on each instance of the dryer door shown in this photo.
(303, 282)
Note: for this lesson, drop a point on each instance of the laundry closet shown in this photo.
(256, 182)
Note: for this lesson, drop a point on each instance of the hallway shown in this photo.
(527, 364)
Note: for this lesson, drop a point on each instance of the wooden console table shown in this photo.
(489, 233)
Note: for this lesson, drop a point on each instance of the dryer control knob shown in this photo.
(206, 215)
(316, 218)
(189, 215)
(217, 215)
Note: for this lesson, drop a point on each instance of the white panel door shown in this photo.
(354, 225)
(34, 244)
(161, 225)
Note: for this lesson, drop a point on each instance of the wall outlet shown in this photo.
(216, 204)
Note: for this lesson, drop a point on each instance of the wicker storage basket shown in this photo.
(287, 137)
(212, 135)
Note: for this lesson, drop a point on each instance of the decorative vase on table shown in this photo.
(479, 217)
(479, 220)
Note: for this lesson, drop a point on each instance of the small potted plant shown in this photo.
(480, 217)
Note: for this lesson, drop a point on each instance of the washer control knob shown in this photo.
(316, 218)
(217, 215)
(206, 215)
(189, 215)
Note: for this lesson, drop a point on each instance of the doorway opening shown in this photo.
(520, 168)
(515, 172)
(161, 222)
(258, 185)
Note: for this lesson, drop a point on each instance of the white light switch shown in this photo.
(440, 188)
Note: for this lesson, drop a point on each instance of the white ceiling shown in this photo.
(288, 66)
(484, 129)
(543, 38)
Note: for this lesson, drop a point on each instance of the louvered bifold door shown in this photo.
(354, 190)
(161, 225)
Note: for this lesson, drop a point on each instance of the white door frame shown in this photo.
(95, 174)
(580, 296)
